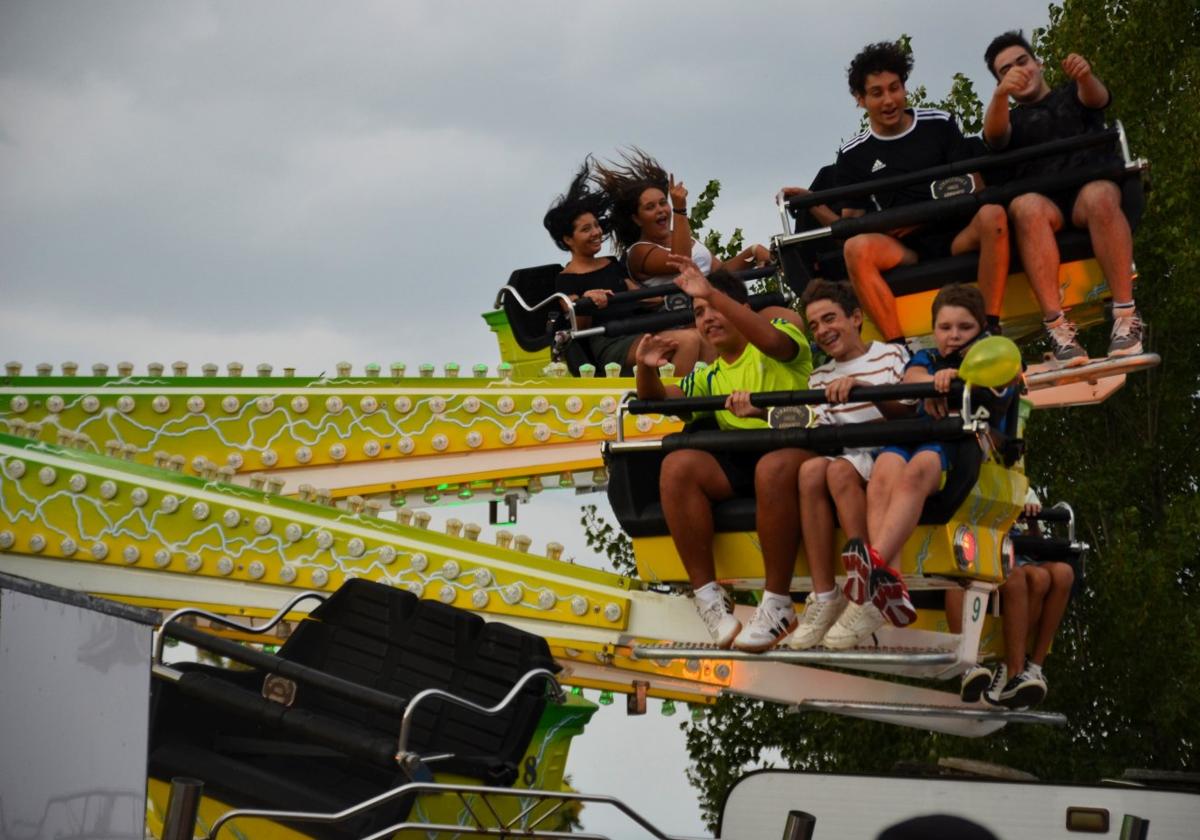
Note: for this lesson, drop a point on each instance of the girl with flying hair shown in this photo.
(577, 221)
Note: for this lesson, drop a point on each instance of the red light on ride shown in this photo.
(965, 547)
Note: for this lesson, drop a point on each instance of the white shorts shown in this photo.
(861, 458)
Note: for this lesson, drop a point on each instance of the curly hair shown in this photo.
(840, 293)
(882, 57)
(623, 184)
(577, 201)
(1011, 38)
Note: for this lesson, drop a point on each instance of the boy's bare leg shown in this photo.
(1039, 585)
(1036, 219)
(954, 609)
(867, 255)
(689, 483)
(849, 497)
(817, 525)
(988, 234)
(778, 514)
(1015, 595)
(884, 476)
(1062, 576)
(1098, 209)
(918, 481)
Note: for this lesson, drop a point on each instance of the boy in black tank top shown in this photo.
(1041, 114)
(901, 140)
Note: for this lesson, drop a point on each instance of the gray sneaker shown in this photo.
(1126, 335)
(1065, 349)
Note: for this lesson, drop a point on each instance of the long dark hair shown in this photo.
(578, 200)
(623, 183)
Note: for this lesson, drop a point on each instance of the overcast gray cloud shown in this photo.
(260, 174)
(304, 182)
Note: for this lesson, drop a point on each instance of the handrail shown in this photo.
(417, 788)
(160, 637)
(407, 760)
(811, 396)
(976, 164)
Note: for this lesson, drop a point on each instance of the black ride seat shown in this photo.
(325, 753)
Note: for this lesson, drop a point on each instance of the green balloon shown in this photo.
(991, 362)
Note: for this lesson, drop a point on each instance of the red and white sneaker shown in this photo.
(890, 596)
(857, 560)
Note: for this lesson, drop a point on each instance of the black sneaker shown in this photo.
(999, 680)
(974, 682)
(1026, 689)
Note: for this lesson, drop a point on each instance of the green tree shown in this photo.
(1127, 661)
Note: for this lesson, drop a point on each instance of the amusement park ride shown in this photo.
(245, 512)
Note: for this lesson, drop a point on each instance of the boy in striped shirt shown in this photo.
(838, 482)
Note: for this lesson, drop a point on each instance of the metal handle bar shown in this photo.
(1067, 144)
(160, 637)
(402, 753)
(813, 396)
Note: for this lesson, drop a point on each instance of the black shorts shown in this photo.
(932, 241)
(739, 470)
(1065, 201)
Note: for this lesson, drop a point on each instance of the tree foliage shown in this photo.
(1127, 661)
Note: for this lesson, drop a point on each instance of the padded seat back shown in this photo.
(534, 285)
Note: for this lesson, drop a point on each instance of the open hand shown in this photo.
(691, 279)
(655, 350)
(1076, 67)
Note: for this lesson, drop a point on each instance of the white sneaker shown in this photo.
(819, 616)
(770, 624)
(856, 623)
(718, 618)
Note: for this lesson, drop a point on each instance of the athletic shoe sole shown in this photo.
(890, 596)
(858, 571)
(977, 681)
(759, 647)
(1127, 351)
(1024, 697)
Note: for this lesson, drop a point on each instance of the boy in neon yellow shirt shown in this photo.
(755, 353)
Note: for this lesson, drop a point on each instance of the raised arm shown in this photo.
(1091, 91)
(757, 329)
(649, 260)
(997, 129)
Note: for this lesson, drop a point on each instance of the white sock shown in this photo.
(826, 597)
(1123, 310)
(776, 601)
(710, 591)
(1053, 319)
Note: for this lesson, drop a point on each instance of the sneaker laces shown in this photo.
(1063, 334)
(1126, 325)
(712, 612)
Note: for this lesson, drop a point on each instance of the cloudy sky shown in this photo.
(305, 182)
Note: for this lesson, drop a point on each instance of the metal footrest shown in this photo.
(857, 707)
(860, 656)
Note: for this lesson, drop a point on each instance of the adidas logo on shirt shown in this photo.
(878, 165)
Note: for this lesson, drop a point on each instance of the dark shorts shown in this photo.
(1065, 201)
(907, 452)
(606, 350)
(739, 469)
(932, 241)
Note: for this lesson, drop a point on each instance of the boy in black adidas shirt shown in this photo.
(901, 140)
(1041, 114)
